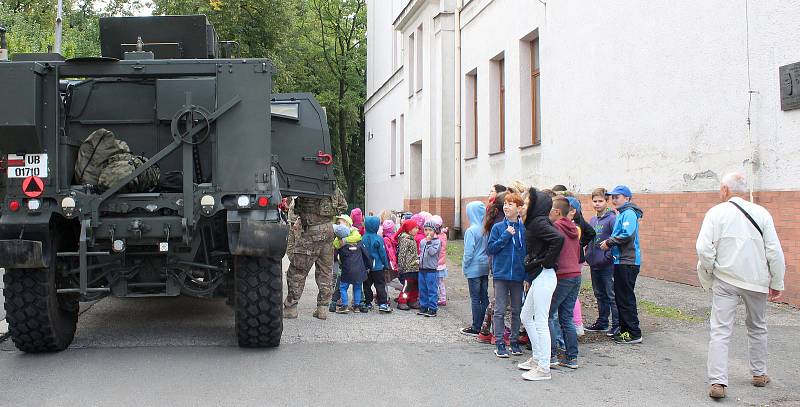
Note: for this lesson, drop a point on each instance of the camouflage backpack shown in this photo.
(93, 154)
(120, 166)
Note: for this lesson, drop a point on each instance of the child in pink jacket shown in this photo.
(442, 267)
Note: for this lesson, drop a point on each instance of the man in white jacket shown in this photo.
(740, 257)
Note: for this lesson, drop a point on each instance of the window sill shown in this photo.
(529, 146)
(474, 157)
(501, 152)
(402, 172)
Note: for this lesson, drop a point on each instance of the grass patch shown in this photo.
(656, 310)
(455, 251)
(586, 286)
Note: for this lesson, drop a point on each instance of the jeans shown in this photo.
(534, 316)
(624, 284)
(479, 295)
(428, 290)
(603, 287)
(503, 289)
(723, 313)
(377, 279)
(343, 287)
(563, 303)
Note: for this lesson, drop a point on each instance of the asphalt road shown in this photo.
(181, 352)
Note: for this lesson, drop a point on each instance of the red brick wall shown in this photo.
(444, 207)
(672, 221)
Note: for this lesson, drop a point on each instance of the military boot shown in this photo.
(321, 312)
(290, 311)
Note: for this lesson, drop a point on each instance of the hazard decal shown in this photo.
(32, 187)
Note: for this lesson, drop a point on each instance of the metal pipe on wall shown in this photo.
(457, 96)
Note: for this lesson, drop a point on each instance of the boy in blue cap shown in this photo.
(624, 246)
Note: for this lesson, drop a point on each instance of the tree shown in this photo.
(336, 30)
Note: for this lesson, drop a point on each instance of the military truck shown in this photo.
(227, 150)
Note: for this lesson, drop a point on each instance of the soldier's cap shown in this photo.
(345, 218)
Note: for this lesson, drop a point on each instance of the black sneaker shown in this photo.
(422, 311)
(595, 327)
(468, 331)
(612, 332)
(515, 349)
(332, 307)
(363, 309)
(627, 338)
(430, 313)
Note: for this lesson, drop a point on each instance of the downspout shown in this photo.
(752, 160)
(457, 96)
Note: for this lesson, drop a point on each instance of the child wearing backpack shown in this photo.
(354, 262)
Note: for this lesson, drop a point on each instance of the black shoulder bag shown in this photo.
(750, 218)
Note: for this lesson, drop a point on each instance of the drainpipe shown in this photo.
(457, 95)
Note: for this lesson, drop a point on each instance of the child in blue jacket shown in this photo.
(380, 262)
(507, 246)
(475, 265)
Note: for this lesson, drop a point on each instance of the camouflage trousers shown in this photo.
(305, 254)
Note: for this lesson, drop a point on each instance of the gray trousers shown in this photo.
(504, 291)
(723, 313)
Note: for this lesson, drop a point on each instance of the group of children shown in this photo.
(534, 243)
(372, 252)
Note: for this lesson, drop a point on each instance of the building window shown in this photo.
(530, 123)
(402, 144)
(410, 50)
(393, 143)
(471, 114)
(536, 112)
(420, 67)
(497, 106)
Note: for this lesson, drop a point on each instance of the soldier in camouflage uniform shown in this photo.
(312, 245)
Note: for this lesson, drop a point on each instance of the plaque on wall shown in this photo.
(790, 86)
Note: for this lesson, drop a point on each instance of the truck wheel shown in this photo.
(259, 301)
(39, 320)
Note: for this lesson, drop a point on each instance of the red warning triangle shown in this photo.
(32, 187)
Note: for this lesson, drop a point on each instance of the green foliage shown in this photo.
(318, 46)
(455, 251)
(666, 312)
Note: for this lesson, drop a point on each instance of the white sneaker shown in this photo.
(579, 330)
(527, 365)
(536, 375)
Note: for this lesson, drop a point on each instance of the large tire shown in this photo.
(259, 302)
(39, 320)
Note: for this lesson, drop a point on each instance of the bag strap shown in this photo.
(750, 218)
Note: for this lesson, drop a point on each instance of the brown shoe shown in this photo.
(760, 381)
(717, 391)
(321, 312)
(290, 312)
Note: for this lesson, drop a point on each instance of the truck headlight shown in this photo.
(207, 204)
(243, 201)
(68, 206)
(34, 205)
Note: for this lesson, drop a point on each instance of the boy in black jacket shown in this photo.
(543, 243)
(355, 263)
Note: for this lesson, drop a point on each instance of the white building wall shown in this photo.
(651, 94)
(428, 113)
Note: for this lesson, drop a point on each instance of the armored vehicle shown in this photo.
(192, 208)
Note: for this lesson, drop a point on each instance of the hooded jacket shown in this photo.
(624, 240)
(374, 244)
(358, 220)
(602, 225)
(389, 244)
(475, 262)
(429, 254)
(354, 262)
(507, 251)
(541, 238)
(569, 265)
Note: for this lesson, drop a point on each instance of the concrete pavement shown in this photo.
(181, 351)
